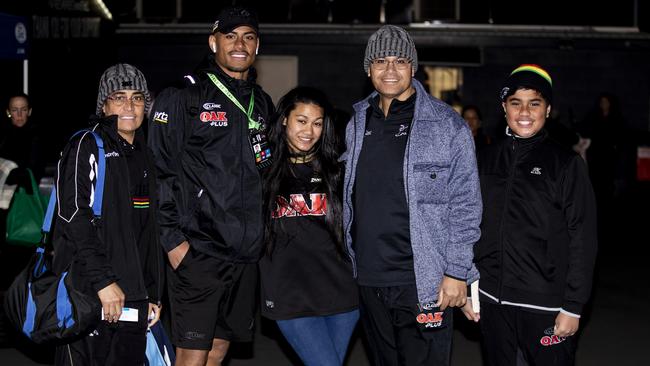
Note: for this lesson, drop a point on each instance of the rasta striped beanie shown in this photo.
(122, 77)
(528, 76)
(390, 40)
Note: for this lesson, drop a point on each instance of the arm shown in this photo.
(580, 212)
(166, 138)
(76, 182)
(465, 208)
(464, 218)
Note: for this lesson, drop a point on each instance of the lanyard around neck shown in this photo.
(252, 125)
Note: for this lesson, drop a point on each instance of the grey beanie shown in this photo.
(390, 40)
(122, 77)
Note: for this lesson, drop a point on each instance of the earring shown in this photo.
(8, 115)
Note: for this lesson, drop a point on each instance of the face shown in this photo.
(390, 79)
(304, 127)
(19, 111)
(129, 115)
(471, 117)
(526, 112)
(604, 105)
(235, 51)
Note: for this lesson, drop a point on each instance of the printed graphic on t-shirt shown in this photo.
(297, 205)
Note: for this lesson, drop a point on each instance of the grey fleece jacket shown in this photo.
(441, 187)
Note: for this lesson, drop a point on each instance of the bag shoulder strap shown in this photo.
(99, 188)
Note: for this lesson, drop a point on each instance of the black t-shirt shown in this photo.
(381, 235)
(305, 275)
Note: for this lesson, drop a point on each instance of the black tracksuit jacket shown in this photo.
(106, 250)
(538, 244)
(209, 186)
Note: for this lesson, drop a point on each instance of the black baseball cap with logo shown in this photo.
(232, 17)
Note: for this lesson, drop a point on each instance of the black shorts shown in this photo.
(211, 298)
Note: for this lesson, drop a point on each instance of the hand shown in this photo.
(566, 325)
(452, 293)
(112, 299)
(469, 312)
(155, 310)
(177, 254)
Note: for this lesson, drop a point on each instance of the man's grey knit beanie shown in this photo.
(390, 40)
(122, 77)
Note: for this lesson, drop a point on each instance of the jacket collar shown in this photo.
(109, 126)
(524, 144)
(424, 108)
(229, 81)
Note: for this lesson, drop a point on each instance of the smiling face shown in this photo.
(526, 112)
(235, 51)
(304, 127)
(391, 80)
(129, 115)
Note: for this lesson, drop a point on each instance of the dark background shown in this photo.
(588, 48)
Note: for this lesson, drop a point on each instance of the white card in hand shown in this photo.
(476, 304)
(128, 315)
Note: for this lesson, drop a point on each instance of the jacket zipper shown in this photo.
(509, 184)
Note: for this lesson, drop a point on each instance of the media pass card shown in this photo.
(128, 315)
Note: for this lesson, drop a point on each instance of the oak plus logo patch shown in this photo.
(216, 119)
(429, 319)
(550, 339)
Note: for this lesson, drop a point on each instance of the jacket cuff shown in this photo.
(456, 272)
(572, 308)
(104, 281)
(172, 240)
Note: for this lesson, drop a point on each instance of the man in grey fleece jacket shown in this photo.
(412, 208)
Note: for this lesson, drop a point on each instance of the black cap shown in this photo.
(231, 17)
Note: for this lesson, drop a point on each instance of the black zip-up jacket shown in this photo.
(538, 244)
(106, 250)
(210, 188)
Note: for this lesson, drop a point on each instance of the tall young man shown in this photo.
(210, 145)
(412, 208)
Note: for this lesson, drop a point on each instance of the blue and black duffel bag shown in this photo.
(44, 305)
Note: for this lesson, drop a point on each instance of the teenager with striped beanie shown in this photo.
(538, 244)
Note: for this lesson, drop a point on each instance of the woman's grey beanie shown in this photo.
(122, 77)
(390, 40)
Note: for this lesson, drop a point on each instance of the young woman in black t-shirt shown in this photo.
(306, 275)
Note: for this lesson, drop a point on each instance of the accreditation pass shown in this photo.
(128, 315)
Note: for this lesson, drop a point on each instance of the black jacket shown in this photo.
(538, 242)
(107, 250)
(210, 188)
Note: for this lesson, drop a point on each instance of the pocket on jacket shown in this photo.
(431, 180)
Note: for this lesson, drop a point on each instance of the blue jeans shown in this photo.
(320, 340)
